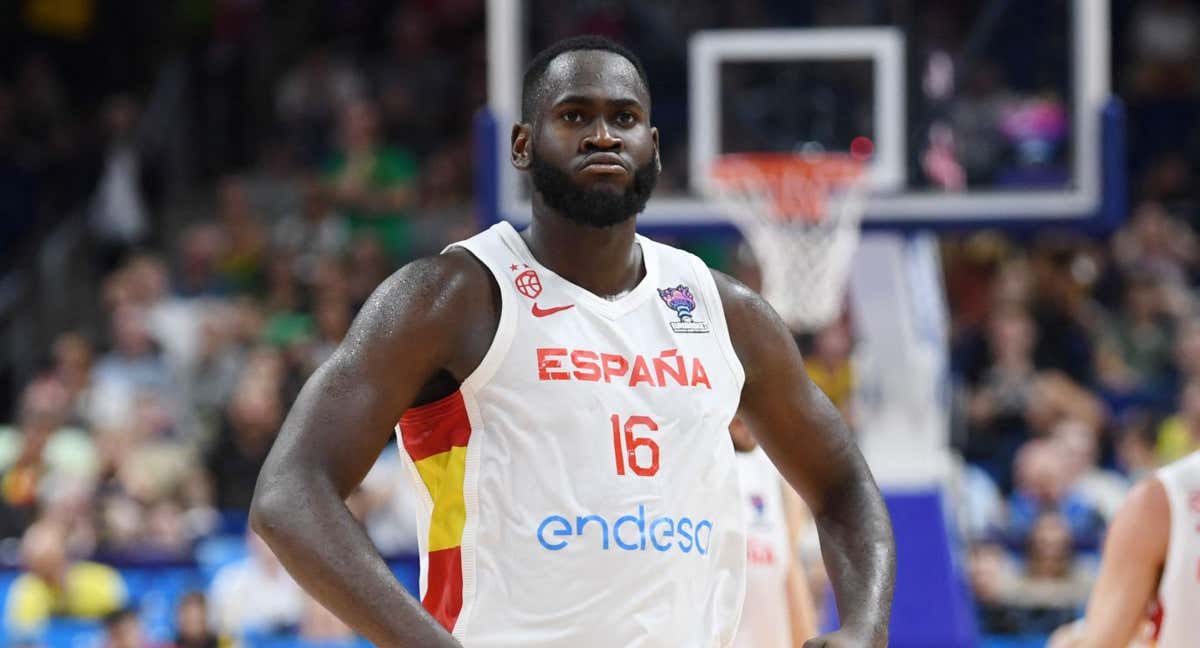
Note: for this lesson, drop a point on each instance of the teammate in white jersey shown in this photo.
(1151, 568)
(779, 610)
(563, 396)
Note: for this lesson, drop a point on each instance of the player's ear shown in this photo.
(657, 159)
(522, 146)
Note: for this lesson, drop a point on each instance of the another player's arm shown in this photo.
(800, 601)
(411, 328)
(1134, 553)
(805, 437)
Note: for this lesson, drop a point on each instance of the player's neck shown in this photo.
(601, 260)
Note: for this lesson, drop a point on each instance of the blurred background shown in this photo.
(196, 196)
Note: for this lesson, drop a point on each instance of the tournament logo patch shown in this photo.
(759, 520)
(680, 300)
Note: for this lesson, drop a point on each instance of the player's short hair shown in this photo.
(535, 73)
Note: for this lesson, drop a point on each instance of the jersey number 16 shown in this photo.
(628, 454)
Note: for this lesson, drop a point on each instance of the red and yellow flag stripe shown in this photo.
(435, 436)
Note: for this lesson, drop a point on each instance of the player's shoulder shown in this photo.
(757, 333)
(442, 289)
(745, 310)
(1148, 497)
(1143, 523)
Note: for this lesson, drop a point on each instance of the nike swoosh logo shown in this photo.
(542, 312)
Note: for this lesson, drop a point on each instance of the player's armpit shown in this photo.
(1134, 553)
(434, 315)
(804, 435)
(429, 318)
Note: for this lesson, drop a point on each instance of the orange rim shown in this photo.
(796, 185)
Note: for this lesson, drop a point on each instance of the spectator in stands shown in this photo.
(979, 504)
(287, 320)
(1186, 358)
(412, 75)
(1040, 595)
(1136, 438)
(1054, 398)
(311, 234)
(1134, 352)
(134, 365)
(173, 322)
(332, 315)
(247, 431)
(369, 265)
(73, 356)
(1180, 433)
(387, 505)
(255, 594)
(150, 506)
(200, 246)
(828, 364)
(973, 268)
(1043, 485)
(1063, 311)
(1166, 42)
(998, 401)
(976, 116)
(1102, 489)
(372, 183)
(54, 585)
(218, 362)
(311, 95)
(192, 628)
(245, 254)
(119, 212)
(447, 206)
(40, 452)
(70, 505)
(123, 629)
(1157, 242)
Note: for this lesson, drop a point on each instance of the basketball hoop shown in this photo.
(801, 214)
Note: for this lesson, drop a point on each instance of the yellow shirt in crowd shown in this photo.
(91, 590)
(1174, 440)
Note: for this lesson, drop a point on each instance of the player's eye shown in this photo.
(572, 116)
(626, 118)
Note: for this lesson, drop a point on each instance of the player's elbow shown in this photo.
(269, 507)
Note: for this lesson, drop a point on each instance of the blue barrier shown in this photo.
(932, 607)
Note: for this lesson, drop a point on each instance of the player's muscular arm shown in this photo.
(432, 316)
(807, 440)
(1134, 553)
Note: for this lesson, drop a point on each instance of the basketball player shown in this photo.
(563, 397)
(779, 611)
(1151, 560)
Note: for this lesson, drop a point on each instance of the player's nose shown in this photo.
(602, 138)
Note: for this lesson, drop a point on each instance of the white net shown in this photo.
(801, 215)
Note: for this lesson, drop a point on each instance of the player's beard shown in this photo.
(599, 206)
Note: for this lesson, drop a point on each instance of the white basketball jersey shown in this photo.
(1179, 589)
(766, 620)
(580, 487)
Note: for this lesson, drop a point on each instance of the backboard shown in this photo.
(969, 122)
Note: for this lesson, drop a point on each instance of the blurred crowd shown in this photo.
(1078, 356)
(1078, 360)
(137, 443)
(325, 148)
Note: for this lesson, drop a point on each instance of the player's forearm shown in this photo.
(860, 556)
(325, 549)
